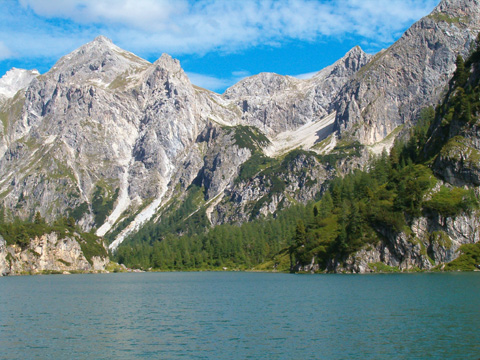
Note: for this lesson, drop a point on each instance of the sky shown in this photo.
(218, 42)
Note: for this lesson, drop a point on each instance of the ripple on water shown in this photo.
(240, 316)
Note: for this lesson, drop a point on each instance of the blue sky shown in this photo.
(218, 42)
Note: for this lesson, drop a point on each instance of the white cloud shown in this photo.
(149, 15)
(5, 52)
(306, 75)
(187, 27)
(241, 74)
(208, 82)
(216, 83)
(44, 30)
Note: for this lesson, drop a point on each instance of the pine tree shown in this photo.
(462, 106)
(326, 205)
(38, 218)
(300, 234)
(460, 76)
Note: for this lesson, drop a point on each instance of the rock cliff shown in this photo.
(408, 76)
(434, 242)
(46, 254)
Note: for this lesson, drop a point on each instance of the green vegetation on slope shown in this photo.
(234, 247)
(459, 110)
(249, 137)
(468, 260)
(20, 233)
(102, 203)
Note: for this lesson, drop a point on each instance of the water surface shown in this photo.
(240, 316)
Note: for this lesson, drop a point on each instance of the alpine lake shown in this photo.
(240, 315)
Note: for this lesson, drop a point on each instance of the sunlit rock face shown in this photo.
(410, 75)
(48, 253)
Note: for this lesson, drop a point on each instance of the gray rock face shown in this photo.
(221, 167)
(47, 253)
(458, 161)
(410, 75)
(3, 256)
(275, 103)
(433, 242)
(296, 180)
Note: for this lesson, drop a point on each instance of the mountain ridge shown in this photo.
(370, 108)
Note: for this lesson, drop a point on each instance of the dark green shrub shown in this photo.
(450, 202)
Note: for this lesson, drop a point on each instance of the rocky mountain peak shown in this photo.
(100, 39)
(457, 8)
(99, 61)
(167, 62)
(347, 66)
(354, 53)
(167, 74)
(168, 67)
(355, 59)
(260, 85)
(410, 75)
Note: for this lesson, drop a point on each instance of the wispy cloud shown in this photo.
(215, 83)
(5, 52)
(305, 76)
(40, 31)
(208, 82)
(196, 27)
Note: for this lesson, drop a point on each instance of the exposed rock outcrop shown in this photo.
(48, 253)
(434, 242)
(275, 103)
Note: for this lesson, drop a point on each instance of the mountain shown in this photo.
(117, 143)
(106, 133)
(441, 225)
(408, 76)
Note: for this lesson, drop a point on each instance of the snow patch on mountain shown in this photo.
(304, 137)
(15, 80)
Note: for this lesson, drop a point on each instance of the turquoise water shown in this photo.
(240, 316)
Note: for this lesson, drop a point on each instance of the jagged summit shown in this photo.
(167, 62)
(408, 76)
(102, 39)
(99, 60)
(262, 84)
(456, 7)
(346, 66)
